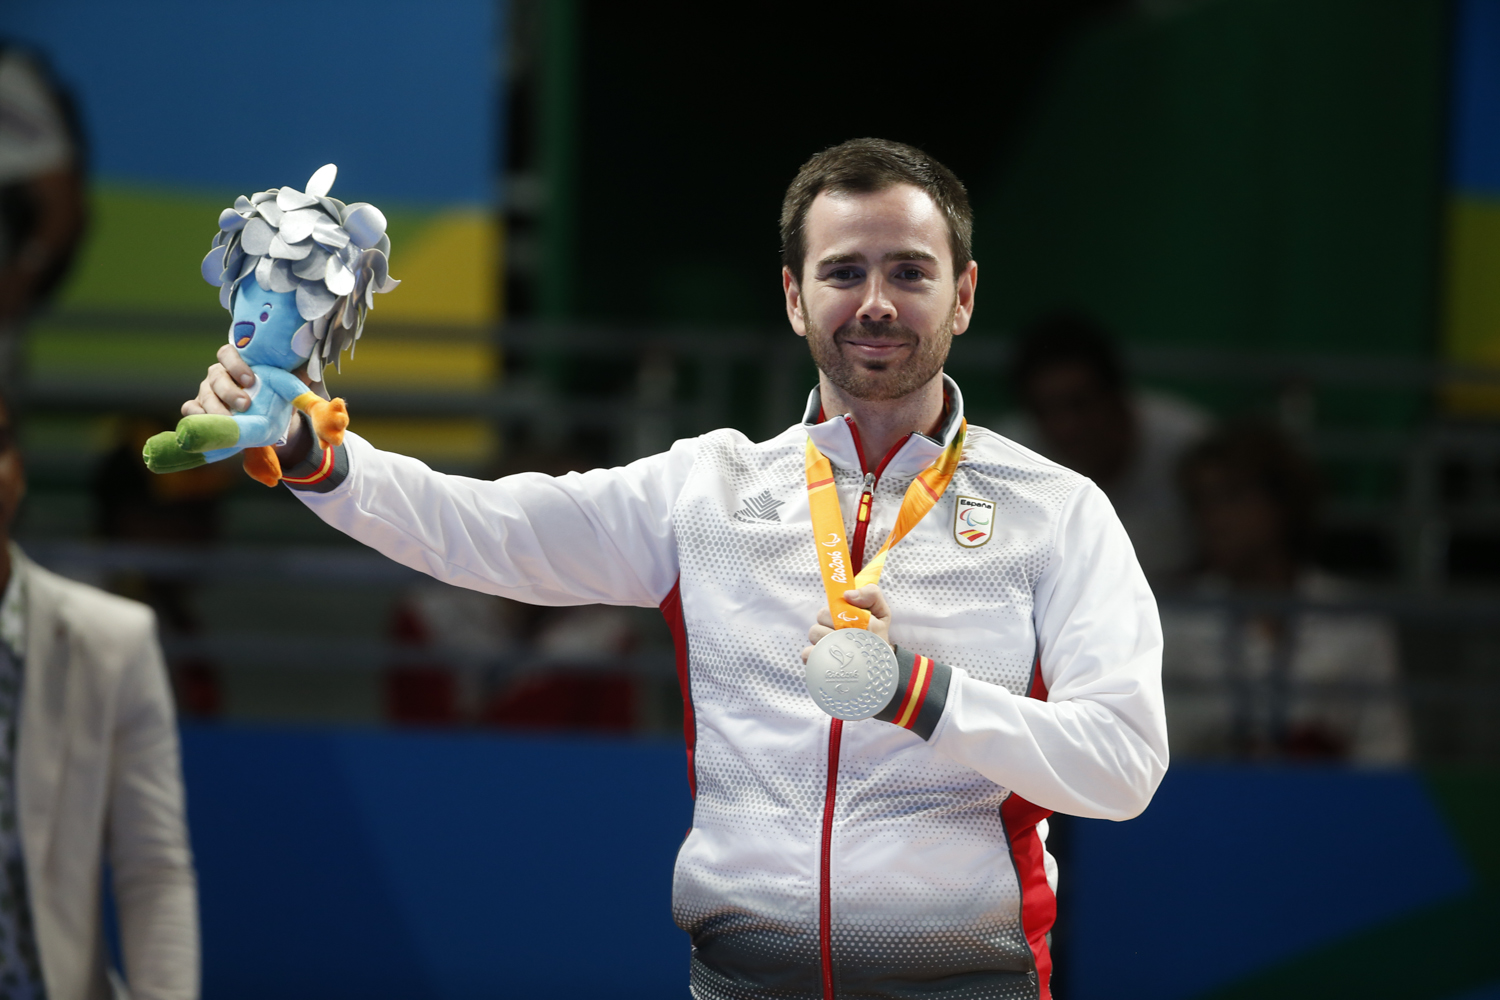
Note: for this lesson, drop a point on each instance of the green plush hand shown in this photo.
(206, 432)
(163, 455)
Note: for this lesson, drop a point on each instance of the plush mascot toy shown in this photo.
(298, 271)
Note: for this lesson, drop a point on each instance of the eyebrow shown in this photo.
(859, 258)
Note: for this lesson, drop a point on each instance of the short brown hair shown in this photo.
(864, 166)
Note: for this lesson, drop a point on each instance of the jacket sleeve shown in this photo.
(1097, 746)
(599, 537)
(156, 893)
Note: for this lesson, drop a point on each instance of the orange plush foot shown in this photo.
(330, 418)
(263, 465)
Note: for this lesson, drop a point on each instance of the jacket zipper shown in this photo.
(862, 522)
(836, 728)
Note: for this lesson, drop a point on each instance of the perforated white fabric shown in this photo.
(900, 912)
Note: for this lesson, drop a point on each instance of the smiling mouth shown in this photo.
(243, 333)
(878, 348)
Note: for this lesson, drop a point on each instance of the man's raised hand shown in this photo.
(223, 388)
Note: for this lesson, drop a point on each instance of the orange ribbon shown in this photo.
(828, 525)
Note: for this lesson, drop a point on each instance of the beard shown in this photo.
(880, 380)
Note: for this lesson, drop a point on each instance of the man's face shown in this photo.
(12, 473)
(877, 300)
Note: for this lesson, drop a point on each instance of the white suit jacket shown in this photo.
(98, 771)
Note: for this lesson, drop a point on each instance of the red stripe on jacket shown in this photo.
(671, 610)
(1038, 902)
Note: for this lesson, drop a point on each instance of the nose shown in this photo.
(242, 333)
(877, 306)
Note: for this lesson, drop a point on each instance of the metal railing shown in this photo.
(1449, 679)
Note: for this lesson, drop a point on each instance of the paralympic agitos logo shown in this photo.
(973, 521)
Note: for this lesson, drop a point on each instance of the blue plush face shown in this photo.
(264, 323)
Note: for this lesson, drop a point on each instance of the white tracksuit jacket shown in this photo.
(861, 859)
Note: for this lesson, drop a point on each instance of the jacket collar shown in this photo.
(835, 437)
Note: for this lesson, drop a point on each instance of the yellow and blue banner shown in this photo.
(1472, 293)
(185, 105)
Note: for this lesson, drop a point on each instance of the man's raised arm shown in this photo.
(599, 537)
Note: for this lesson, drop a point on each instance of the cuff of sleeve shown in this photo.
(918, 702)
(323, 470)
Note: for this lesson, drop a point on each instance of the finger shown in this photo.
(806, 652)
(825, 617)
(870, 598)
(816, 633)
(235, 366)
(207, 401)
(222, 388)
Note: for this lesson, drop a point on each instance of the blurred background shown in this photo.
(1241, 265)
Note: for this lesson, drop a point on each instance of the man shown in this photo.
(1069, 378)
(88, 765)
(897, 856)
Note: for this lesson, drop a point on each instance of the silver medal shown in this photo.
(851, 674)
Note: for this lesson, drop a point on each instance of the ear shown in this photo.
(793, 293)
(963, 312)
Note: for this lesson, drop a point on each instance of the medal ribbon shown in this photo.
(828, 525)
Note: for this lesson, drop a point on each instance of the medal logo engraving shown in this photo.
(851, 674)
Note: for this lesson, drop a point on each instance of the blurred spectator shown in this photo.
(1083, 414)
(580, 681)
(42, 209)
(132, 505)
(471, 657)
(88, 764)
(465, 632)
(1276, 681)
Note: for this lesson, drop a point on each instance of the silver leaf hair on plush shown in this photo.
(334, 256)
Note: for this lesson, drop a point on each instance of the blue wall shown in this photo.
(422, 865)
(1233, 869)
(222, 96)
(411, 866)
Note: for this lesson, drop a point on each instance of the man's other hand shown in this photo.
(868, 597)
(223, 388)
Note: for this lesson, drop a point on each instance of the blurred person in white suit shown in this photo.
(89, 770)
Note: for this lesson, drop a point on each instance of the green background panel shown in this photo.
(1260, 174)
